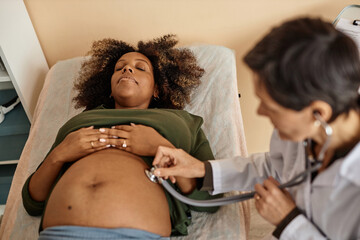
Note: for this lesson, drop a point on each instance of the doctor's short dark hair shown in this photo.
(305, 60)
(176, 72)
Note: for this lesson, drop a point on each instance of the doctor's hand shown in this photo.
(273, 203)
(173, 162)
(136, 138)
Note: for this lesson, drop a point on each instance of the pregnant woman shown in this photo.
(92, 184)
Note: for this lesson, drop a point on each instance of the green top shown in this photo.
(179, 127)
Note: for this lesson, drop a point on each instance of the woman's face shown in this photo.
(132, 84)
(291, 125)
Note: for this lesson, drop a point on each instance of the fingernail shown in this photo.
(113, 127)
(108, 145)
(115, 137)
(102, 140)
(132, 124)
(102, 130)
(113, 145)
(157, 172)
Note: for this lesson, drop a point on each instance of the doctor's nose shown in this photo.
(127, 69)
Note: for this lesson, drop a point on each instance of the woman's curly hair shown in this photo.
(176, 72)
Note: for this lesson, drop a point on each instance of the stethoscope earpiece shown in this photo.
(328, 131)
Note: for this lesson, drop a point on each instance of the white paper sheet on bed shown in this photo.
(216, 100)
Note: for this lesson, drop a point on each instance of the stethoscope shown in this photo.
(312, 165)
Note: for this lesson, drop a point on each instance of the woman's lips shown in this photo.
(127, 79)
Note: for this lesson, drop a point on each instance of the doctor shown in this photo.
(307, 78)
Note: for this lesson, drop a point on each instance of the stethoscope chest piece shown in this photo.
(150, 174)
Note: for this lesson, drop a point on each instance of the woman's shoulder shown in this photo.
(178, 112)
(185, 115)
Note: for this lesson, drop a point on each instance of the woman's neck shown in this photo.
(346, 134)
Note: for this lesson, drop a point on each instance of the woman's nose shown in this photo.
(127, 68)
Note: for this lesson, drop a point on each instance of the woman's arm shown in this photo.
(75, 145)
(42, 180)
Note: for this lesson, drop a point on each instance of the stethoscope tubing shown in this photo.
(301, 177)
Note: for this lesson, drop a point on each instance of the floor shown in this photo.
(259, 228)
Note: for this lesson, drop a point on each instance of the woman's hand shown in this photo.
(273, 203)
(176, 162)
(80, 143)
(75, 145)
(138, 139)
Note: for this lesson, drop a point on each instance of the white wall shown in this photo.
(21, 53)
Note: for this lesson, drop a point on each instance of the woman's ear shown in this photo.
(322, 108)
(156, 92)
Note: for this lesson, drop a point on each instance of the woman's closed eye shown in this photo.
(141, 67)
(119, 67)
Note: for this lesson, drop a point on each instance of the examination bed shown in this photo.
(216, 100)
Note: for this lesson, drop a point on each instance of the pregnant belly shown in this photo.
(108, 189)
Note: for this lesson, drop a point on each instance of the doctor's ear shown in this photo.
(323, 109)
